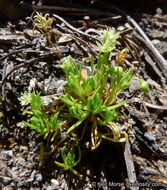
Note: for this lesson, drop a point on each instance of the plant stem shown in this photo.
(117, 105)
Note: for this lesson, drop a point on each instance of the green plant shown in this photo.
(44, 25)
(89, 104)
(109, 41)
(39, 121)
(69, 160)
(95, 96)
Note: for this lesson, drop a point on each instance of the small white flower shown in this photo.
(25, 98)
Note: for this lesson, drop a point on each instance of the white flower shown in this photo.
(25, 98)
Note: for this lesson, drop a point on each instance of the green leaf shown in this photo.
(109, 41)
(62, 154)
(47, 123)
(53, 137)
(66, 101)
(36, 103)
(31, 126)
(117, 105)
(69, 162)
(117, 70)
(143, 85)
(54, 122)
(79, 157)
(70, 157)
(60, 164)
(94, 102)
(38, 123)
(110, 115)
(89, 84)
(76, 111)
(41, 152)
(37, 113)
(92, 65)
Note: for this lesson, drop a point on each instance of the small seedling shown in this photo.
(44, 25)
(40, 122)
(69, 160)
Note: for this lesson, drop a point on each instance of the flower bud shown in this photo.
(144, 86)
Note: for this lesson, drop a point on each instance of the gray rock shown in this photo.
(8, 153)
(134, 85)
(25, 173)
(19, 162)
(60, 84)
(16, 180)
(9, 187)
(5, 180)
(32, 177)
(54, 182)
(39, 177)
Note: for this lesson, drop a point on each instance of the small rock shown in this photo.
(88, 172)
(121, 28)
(155, 41)
(32, 177)
(64, 185)
(134, 85)
(23, 148)
(19, 161)
(54, 182)
(72, 49)
(16, 180)
(8, 153)
(32, 84)
(25, 173)
(9, 187)
(39, 177)
(60, 84)
(5, 180)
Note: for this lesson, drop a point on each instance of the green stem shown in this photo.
(117, 105)
(78, 123)
(76, 173)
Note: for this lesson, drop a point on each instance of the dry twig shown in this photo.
(130, 165)
(162, 63)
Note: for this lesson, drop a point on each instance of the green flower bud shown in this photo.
(144, 86)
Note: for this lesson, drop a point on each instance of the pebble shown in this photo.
(54, 182)
(39, 177)
(32, 177)
(134, 85)
(19, 161)
(121, 28)
(5, 180)
(8, 154)
(25, 173)
(60, 84)
(155, 41)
